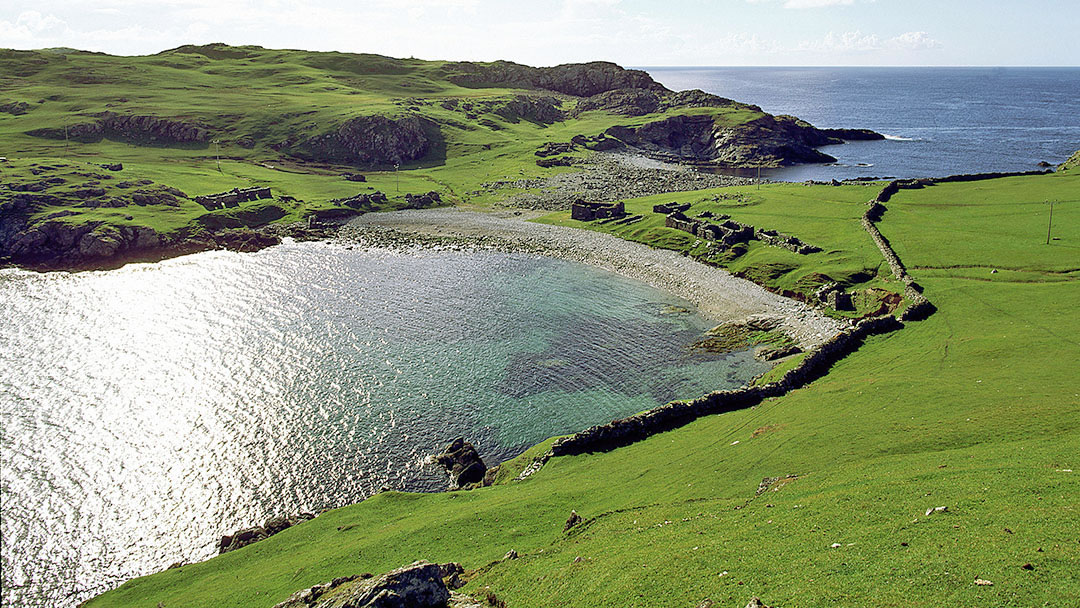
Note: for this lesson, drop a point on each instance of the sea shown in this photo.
(936, 121)
(148, 410)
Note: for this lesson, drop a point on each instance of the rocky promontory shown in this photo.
(766, 141)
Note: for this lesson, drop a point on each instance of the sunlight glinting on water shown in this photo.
(148, 410)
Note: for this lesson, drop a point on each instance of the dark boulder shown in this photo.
(15, 108)
(462, 462)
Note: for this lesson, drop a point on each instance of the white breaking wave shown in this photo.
(898, 138)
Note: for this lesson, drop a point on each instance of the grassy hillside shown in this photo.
(975, 409)
(257, 112)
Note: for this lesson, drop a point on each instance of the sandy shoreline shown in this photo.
(718, 294)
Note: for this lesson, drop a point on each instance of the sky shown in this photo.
(548, 32)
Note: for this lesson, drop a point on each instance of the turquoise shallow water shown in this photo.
(148, 410)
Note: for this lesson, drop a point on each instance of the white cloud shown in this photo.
(913, 41)
(846, 42)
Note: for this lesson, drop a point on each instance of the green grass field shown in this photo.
(976, 409)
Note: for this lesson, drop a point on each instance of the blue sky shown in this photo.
(546, 32)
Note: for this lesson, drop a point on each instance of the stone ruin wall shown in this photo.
(730, 232)
(232, 198)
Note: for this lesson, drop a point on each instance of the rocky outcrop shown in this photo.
(538, 109)
(371, 141)
(638, 102)
(141, 129)
(765, 141)
(1072, 163)
(15, 108)
(364, 200)
(578, 79)
(419, 585)
(55, 245)
(462, 462)
(247, 536)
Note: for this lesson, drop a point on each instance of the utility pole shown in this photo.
(217, 154)
(397, 179)
(1050, 223)
(759, 175)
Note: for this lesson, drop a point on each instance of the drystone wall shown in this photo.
(814, 365)
(678, 413)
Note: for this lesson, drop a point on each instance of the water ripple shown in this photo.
(148, 410)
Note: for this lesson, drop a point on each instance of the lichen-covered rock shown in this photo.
(541, 110)
(419, 585)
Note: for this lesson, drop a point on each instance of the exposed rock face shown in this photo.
(462, 462)
(542, 110)
(769, 140)
(419, 585)
(129, 128)
(56, 239)
(247, 536)
(579, 79)
(372, 140)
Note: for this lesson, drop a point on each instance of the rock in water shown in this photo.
(463, 462)
(416, 586)
(247, 536)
